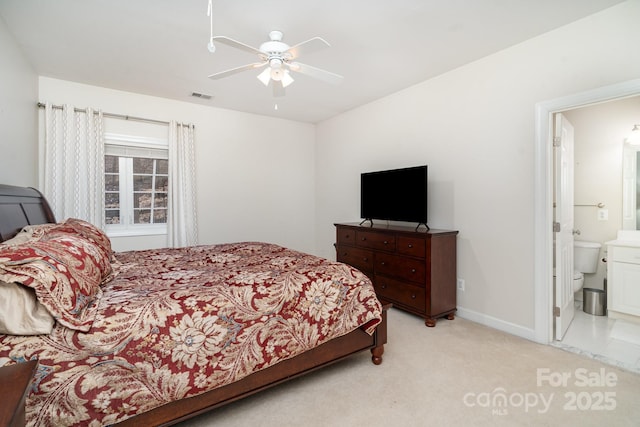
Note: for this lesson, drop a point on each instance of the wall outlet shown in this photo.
(603, 214)
(460, 284)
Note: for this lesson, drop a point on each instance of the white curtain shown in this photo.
(74, 163)
(182, 221)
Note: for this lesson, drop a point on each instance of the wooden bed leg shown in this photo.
(376, 354)
(381, 337)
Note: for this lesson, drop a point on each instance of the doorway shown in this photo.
(543, 195)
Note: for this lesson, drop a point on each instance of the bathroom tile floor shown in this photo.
(615, 342)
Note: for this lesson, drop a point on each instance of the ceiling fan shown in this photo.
(279, 59)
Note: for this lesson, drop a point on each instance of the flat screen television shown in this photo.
(394, 195)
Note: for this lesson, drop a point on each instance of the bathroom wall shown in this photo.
(600, 131)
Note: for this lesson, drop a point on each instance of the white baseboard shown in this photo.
(496, 323)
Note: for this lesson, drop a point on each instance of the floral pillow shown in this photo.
(82, 229)
(64, 269)
(92, 233)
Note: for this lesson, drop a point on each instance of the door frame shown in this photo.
(543, 194)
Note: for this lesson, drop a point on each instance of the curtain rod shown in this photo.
(117, 116)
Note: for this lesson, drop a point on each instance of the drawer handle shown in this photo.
(384, 286)
(413, 296)
(365, 259)
(382, 263)
(413, 270)
(410, 245)
(385, 242)
(364, 238)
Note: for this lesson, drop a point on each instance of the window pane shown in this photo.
(142, 165)
(160, 216)
(112, 182)
(111, 164)
(160, 200)
(112, 200)
(142, 200)
(162, 183)
(112, 217)
(142, 216)
(144, 188)
(142, 183)
(162, 166)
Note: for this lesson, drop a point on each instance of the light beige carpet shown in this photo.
(459, 374)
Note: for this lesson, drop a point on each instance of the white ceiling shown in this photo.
(159, 47)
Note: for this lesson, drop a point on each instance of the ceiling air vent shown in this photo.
(200, 95)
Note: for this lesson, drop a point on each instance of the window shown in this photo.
(136, 186)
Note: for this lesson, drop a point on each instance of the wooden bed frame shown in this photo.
(20, 206)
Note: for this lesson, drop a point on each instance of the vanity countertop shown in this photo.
(621, 242)
(628, 238)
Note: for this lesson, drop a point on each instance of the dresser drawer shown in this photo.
(345, 236)
(400, 293)
(400, 267)
(376, 240)
(411, 246)
(361, 259)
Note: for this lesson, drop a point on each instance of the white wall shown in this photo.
(255, 174)
(600, 131)
(474, 127)
(18, 115)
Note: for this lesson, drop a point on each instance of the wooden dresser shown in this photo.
(14, 387)
(414, 270)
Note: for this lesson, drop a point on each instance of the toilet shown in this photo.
(585, 260)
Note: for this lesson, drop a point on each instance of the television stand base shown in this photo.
(422, 223)
(416, 229)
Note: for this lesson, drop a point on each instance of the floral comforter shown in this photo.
(174, 323)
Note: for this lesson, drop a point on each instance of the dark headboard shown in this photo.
(20, 206)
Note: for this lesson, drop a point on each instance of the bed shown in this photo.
(159, 336)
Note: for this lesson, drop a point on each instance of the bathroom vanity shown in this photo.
(623, 276)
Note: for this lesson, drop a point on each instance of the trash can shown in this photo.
(594, 301)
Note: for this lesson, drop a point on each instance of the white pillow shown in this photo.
(21, 313)
(23, 236)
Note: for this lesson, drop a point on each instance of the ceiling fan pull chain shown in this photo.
(210, 45)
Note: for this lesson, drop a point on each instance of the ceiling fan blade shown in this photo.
(278, 89)
(238, 45)
(306, 47)
(232, 71)
(315, 72)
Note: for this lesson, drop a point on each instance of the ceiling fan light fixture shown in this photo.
(276, 57)
(265, 76)
(277, 74)
(275, 65)
(286, 79)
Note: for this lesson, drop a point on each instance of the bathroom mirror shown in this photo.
(630, 187)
